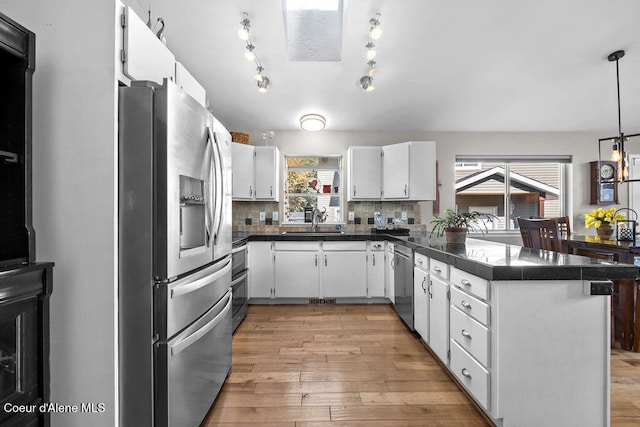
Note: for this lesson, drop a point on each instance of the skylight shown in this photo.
(324, 5)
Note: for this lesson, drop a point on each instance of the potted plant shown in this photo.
(454, 225)
(602, 219)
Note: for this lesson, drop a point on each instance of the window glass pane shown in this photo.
(314, 181)
(534, 190)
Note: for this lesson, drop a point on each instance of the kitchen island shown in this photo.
(525, 332)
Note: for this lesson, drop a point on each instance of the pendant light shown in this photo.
(618, 153)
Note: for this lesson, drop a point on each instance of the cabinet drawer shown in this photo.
(296, 246)
(470, 283)
(470, 373)
(376, 246)
(439, 268)
(470, 305)
(344, 246)
(470, 334)
(421, 261)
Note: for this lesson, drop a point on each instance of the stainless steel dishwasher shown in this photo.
(403, 278)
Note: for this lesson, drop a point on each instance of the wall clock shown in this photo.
(604, 187)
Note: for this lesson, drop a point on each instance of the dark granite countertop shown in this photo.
(483, 258)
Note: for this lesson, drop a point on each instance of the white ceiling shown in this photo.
(454, 65)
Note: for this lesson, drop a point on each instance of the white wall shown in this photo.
(74, 182)
(582, 146)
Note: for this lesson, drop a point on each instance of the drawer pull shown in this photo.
(437, 269)
(465, 334)
(465, 282)
(466, 373)
(465, 304)
(419, 261)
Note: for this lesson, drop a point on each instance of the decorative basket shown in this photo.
(239, 137)
(626, 228)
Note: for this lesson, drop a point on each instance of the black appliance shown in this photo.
(239, 279)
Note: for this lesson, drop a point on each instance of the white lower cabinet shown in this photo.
(375, 269)
(344, 274)
(296, 269)
(261, 270)
(439, 318)
(421, 296)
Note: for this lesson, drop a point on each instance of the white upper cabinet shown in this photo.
(256, 172)
(144, 56)
(364, 180)
(189, 84)
(267, 172)
(242, 161)
(409, 171)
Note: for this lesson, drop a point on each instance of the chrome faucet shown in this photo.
(317, 217)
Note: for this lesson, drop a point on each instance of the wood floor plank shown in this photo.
(358, 366)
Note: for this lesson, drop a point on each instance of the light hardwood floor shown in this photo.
(356, 366)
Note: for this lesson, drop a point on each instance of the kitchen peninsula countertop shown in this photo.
(483, 258)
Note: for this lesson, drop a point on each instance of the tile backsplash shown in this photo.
(246, 216)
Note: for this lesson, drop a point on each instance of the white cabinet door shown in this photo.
(396, 171)
(242, 167)
(261, 270)
(439, 318)
(144, 56)
(267, 173)
(189, 84)
(422, 170)
(297, 274)
(375, 270)
(344, 274)
(421, 303)
(365, 173)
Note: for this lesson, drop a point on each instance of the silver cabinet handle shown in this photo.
(424, 279)
(374, 258)
(429, 289)
(465, 282)
(325, 260)
(354, 191)
(250, 191)
(466, 373)
(271, 191)
(316, 259)
(465, 334)
(405, 189)
(465, 304)
(419, 261)
(437, 269)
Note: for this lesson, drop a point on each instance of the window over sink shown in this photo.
(314, 181)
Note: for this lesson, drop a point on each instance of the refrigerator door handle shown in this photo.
(191, 339)
(188, 287)
(207, 167)
(217, 159)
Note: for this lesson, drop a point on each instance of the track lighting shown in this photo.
(250, 54)
(366, 81)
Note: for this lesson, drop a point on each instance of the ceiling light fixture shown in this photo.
(250, 54)
(375, 32)
(312, 122)
(618, 153)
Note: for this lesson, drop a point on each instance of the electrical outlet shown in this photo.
(274, 215)
(352, 215)
(404, 215)
(263, 215)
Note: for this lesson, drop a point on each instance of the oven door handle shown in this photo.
(240, 279)
(238, 249)
(190, 339)
(202, 282)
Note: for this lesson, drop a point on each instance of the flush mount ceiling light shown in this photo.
(375, 32)
(618, 153)
(312, 122)
(250, 54)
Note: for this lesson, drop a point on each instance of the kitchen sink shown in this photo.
(313, 233)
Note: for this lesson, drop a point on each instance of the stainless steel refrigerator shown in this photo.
(174, 231)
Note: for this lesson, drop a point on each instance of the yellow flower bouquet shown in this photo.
(600, 216)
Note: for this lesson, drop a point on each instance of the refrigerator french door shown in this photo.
(174, 256)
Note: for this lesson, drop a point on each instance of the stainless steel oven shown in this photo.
(239, 272)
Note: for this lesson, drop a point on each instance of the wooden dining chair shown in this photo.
(540, 234)
(564, 226)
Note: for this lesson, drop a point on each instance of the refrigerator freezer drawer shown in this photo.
(179, 303)
(192, 367)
